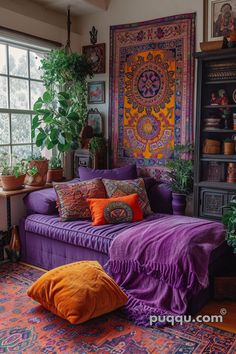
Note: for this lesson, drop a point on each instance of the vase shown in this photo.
(178, 203)
(14, 246)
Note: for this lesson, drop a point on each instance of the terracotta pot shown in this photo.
(178, 203)
(11, 183)
(40, 178)
(54, 175)
(229, 148)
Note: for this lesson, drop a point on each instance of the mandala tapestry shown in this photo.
(151, 90)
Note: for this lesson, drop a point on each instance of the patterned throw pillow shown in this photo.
(121, 188)
(72, 202)
(115, 210)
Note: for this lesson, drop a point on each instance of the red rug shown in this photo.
(26, 327)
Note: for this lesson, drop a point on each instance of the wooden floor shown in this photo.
(214, 308)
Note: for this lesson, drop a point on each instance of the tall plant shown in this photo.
(62, 110)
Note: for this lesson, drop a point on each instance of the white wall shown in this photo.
(129, 11)
(28, 24)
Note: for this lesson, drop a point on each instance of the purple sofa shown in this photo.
(48, 243)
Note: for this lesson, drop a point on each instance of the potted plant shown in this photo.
(37, 171)
(55, 170)
(12, 175)
(229, 146)
(229, 220)
(180, 174)
(62, 110)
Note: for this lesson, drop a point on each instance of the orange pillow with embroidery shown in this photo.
(115, 210)
(78, 291)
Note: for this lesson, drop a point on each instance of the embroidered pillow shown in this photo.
(72, 202)
(121, 188)
(115, 210)
(78, 291)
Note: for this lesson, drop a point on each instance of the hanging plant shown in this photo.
(62, 110)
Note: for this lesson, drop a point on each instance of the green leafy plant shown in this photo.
(229, 220)
(180, 171)
(62, 110)
(55, 163)
(96, 144)
(36, 157)
(17, 168)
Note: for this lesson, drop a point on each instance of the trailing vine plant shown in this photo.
(61, 112)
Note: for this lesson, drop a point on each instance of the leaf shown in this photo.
(38, 105)
(48, 118)
(65, 95)
(40, 139)
(47, 97)
(73, 116)
(64, 104)
(35, 122)
(54, 134)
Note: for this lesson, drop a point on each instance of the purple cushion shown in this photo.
(122, 173)
(41, 202)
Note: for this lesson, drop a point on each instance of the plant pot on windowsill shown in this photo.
(55, 175)
(37, 173)
(11, 183)
(55, 170)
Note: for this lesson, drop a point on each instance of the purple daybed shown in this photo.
(47, 242)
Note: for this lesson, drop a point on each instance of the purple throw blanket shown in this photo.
(162, 263)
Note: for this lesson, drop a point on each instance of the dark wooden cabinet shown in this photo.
(83, 157)
(214, 182)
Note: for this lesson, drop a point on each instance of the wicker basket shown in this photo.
(211, 146)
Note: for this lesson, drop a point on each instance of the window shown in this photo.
(20, 86)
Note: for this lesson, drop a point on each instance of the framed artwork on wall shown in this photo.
(95, 121)
(96, 54)
(219, 17)
(96, 92)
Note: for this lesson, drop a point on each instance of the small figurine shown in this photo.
(214, 99)
(223, 98)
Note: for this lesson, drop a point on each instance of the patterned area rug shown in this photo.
(151, 90)
(26, 327)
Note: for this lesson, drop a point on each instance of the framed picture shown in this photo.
(96, 92)
(95, 121)
(219, 17)
(96, 54)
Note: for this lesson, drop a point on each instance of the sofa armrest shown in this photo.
(160, 198)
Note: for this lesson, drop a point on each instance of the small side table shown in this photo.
(7, 195)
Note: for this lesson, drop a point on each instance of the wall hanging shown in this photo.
(151, 90)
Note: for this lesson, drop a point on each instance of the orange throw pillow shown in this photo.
(115, 210)
(78, 291)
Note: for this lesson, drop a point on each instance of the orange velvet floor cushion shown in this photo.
(78, 291)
